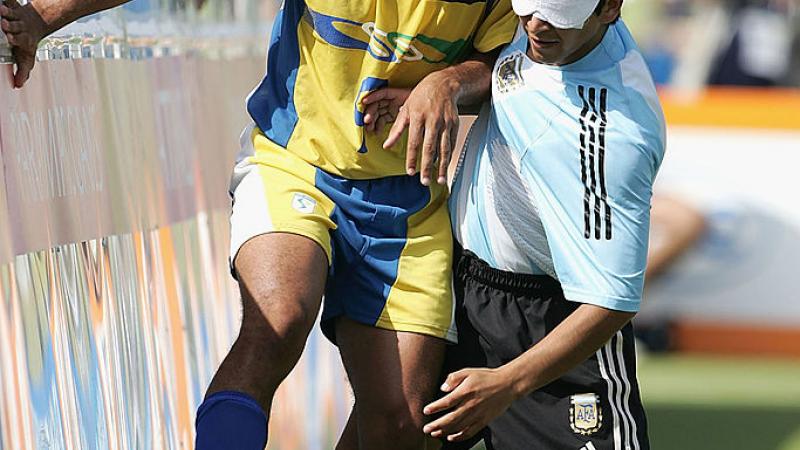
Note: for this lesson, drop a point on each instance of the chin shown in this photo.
(542, 59)
(550, 57)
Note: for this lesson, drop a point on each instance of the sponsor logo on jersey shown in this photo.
(384, 45)
(509, 74)
(588, 446)
(303, 203)
(585, 415)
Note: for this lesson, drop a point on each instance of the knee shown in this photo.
(394, 424)
(270, 315)
(270, 341)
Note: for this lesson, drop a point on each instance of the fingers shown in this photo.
(22, 39)
(432, 126)
(448, 138)
(444, 157)
(374, 112)
(14, 27)
(389, 95)
(451, 423)
(383, 119)
(415, 137)
(430, 147)
(8, 13)
(453, 139)
(449, 401)
(455, 437)
(455, 379)
(23, 72)
(376, 96)
(465, 434)
(22, 43)
(371, 114)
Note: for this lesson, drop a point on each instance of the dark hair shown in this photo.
(599, 9)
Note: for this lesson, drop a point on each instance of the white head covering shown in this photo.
(558, 13)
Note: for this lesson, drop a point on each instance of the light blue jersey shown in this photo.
(557, 173)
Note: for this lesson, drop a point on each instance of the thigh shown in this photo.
(280, 237)
(393, 374)
(281, 279)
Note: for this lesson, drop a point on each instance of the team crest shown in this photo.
(303, 203)
(509, 76)
(585, 414)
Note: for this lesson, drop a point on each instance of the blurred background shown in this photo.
(115, 300)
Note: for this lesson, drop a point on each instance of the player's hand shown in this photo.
(431, 115)
(24, 28)
(382, 107)
(475, 397)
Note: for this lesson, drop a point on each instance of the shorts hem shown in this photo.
(449, 334)
(299, 231)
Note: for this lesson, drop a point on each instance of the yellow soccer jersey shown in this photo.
(325, 56)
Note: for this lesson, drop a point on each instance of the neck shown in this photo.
(588, 47)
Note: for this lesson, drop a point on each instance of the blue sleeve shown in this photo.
(594, 202)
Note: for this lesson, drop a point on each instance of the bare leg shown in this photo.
(282, 279)
(394, 375)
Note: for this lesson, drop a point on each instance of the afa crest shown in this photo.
(585, 414)
(509, 76)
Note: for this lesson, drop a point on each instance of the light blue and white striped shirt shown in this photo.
(557, 172)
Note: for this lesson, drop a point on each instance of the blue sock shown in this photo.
(230, 420)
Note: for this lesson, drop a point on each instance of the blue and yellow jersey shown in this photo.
(325, 56)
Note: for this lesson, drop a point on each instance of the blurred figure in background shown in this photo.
(759, 51)
(690, 44)
(675, 227)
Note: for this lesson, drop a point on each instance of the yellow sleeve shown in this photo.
(497, 28)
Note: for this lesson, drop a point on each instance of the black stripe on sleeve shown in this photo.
(593, 148)
(603, 191)
(586, 192)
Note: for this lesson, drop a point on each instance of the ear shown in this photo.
(610, 12)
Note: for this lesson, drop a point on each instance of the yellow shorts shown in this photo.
(388, 240)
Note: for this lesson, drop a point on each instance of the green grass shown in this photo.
(721, 403)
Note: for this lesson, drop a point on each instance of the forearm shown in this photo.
(470, 82)
(569, 344)
(56, 14)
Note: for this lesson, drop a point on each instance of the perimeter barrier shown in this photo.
(116, 302)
